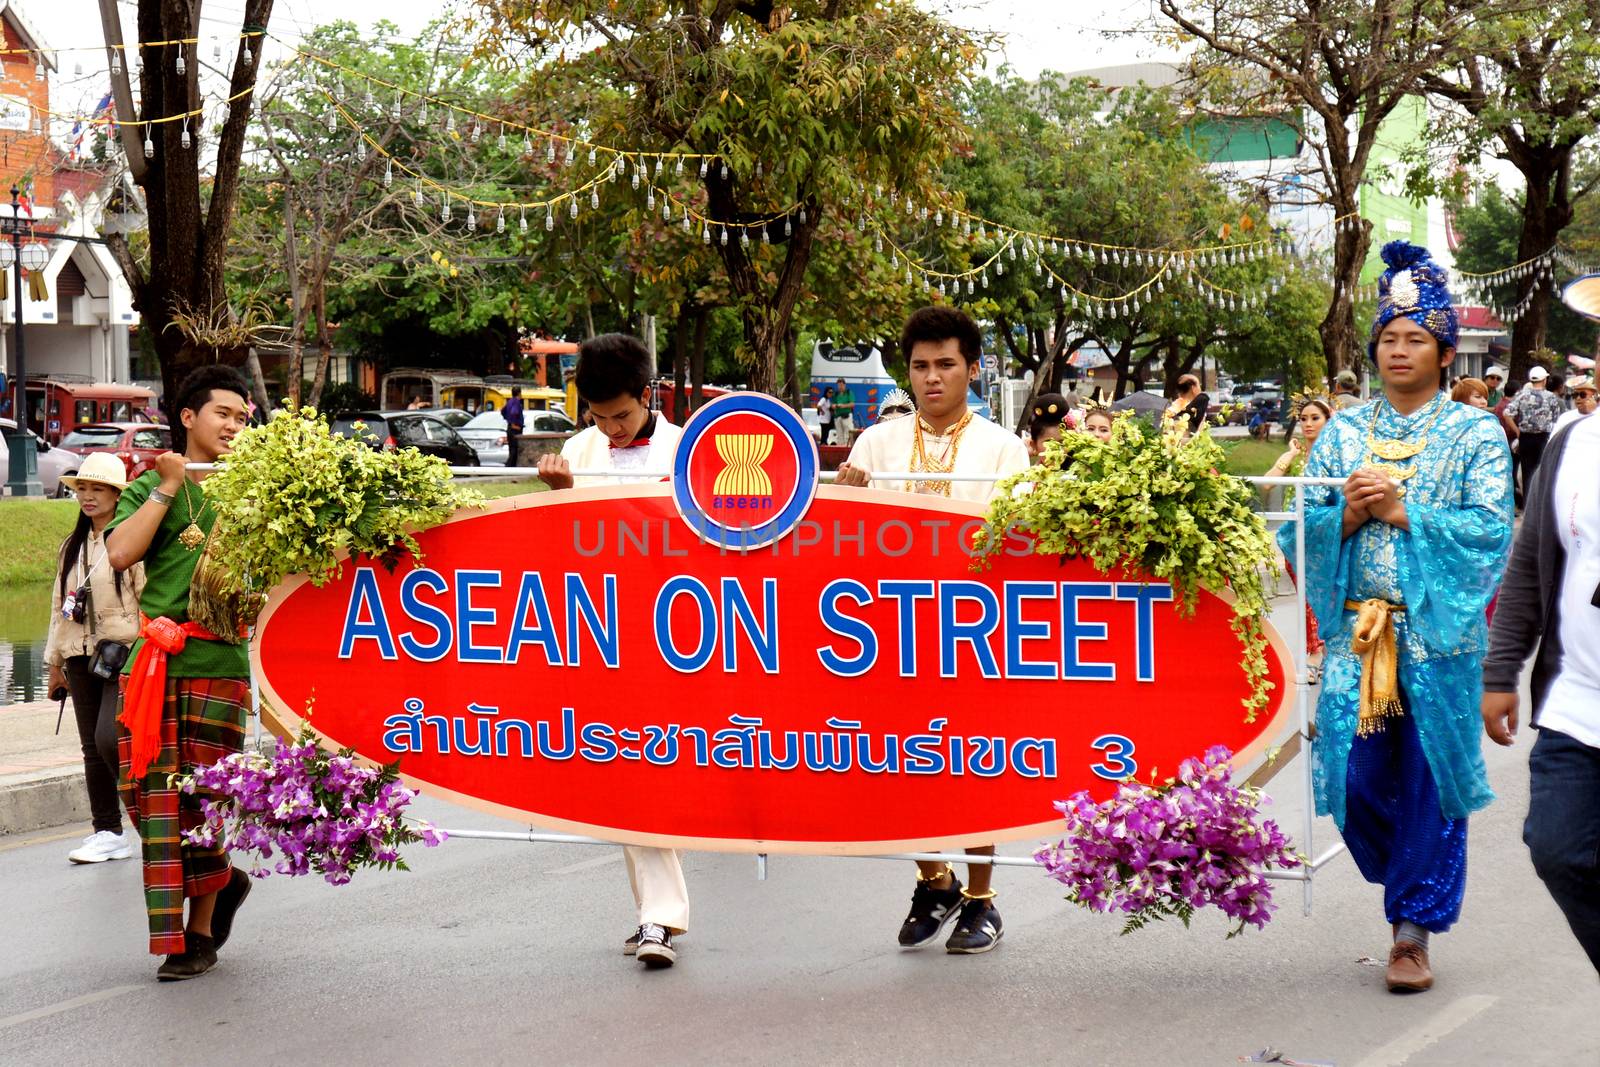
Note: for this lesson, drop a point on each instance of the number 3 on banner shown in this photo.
(1118, 763)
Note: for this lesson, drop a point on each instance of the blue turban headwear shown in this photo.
(1416, 287)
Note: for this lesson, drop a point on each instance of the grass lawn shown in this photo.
(1247, 457)
(32, 532)
(496, 490)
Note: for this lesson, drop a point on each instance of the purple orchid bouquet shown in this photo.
(1151, 852)
(319, 812)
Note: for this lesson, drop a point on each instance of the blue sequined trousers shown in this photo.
(1397, 833)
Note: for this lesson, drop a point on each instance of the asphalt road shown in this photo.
(492, 952)
(509, 953)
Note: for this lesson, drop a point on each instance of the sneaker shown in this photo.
(931, 910)
(978, 930)
(101, 846)
(654, 947)
(229, 897)
(198, 957)
(631, 946)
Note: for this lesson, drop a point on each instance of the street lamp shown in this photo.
(23, 477)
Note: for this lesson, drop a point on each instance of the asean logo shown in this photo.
(745, 472)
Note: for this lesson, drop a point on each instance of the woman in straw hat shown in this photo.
(94, 617)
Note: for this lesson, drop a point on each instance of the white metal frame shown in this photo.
(1306, 875)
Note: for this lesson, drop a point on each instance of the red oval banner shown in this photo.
(582, 661)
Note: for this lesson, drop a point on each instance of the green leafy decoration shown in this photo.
(292, 495)
(1151, 501)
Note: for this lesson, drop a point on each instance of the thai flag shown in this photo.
(80, 128)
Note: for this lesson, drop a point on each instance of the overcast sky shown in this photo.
(1037, 34)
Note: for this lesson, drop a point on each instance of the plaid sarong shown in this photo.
(202, 720)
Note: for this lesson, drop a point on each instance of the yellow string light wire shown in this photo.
(125, 47)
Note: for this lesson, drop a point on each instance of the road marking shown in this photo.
(67, 1005)
(599, 861)
(1453, 1017)
(65, 835)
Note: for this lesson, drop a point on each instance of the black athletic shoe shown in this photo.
(978, 930)
(198, 956)
(931, 910)
(655, 946)
(229, 897)
(631, 946)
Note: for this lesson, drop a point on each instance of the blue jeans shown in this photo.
(1563, 830)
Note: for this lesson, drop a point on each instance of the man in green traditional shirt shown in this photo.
(185, 690)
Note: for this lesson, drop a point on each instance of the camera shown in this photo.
(76, 605)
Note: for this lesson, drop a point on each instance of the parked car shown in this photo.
(137, 444)
(486, 433)
(407, 429)
(455, 418)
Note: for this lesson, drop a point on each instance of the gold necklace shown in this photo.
(921, 461)
(192, 536)
(1384, 454)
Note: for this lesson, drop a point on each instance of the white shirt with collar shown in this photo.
(1572, 704)
(983, 448)
(591, 450)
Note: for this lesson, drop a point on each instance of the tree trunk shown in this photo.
(324, 347)
(1546, 211)
(1340, 346)
(680, 362)
(189, 220)
(697, 358)
(258, 384)
(765, 311)
(1172, 367)
(791, 382)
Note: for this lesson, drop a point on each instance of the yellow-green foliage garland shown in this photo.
(291, 495)
(1153, 501)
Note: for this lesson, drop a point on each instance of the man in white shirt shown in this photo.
(1550, 602)
(1583, 401)
(613, 377)
(943, 347)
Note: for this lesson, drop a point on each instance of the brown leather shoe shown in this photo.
(1408, 968)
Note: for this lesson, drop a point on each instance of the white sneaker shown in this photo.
(101, 846)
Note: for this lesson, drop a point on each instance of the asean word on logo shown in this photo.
(746, 471)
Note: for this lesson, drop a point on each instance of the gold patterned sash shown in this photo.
(1373, 639)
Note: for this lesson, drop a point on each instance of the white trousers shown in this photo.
(843, 427)
(659, 890)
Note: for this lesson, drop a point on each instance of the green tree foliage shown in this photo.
(1491, 227)
(797, 109)
(1526, 88)
(1059, 158)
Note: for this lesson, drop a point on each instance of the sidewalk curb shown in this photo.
(40, 800)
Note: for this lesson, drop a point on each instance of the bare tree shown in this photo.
(1344, 66)
(190, 213)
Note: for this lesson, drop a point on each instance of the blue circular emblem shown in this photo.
(745, 472)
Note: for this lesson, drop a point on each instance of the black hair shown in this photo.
(72, 548)
(195, 391)
(827, 391)
(941, 324)
(1049, 409)
(613, 365)
(516, 390)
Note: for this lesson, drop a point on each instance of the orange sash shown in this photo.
(147, 686)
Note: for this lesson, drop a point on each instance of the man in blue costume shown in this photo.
(1400, 565)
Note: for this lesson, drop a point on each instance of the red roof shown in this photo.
(1478, 318)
